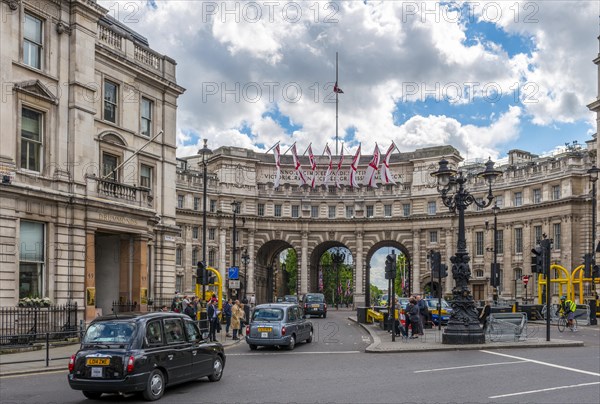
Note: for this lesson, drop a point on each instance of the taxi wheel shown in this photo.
(324, 315)
(292, 343)
(92, 395)
(155, 386)
(217, 370)
(252, 347)
(310, 337)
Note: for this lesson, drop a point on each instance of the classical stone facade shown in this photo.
(536, 196)
(87, 157)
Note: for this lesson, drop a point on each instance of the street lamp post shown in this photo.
(593, 172)
(245, 261)
(338, 258)
(235, 205)
(205, 152)
(463, 326)
(495, 273)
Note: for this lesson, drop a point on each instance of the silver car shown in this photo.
(278, 324)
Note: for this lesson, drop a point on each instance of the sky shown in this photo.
(485, 77)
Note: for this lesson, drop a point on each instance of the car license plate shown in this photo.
(264, 335)
(265, 329)
(315, 306)
(98, 362)
(96, 372)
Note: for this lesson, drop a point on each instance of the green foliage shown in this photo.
(291, 267)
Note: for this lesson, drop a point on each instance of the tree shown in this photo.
(291, 268)
(375, 294)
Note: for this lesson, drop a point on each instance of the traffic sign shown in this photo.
(525, 279)
(234, 284)
(234, 273)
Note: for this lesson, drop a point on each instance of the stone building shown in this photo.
(87, 157)
(536, 196)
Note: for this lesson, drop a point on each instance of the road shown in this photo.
(335, 369)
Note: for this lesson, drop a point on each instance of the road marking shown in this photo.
(34, 374)
(295, 353)
(543, 363)
(548, 389)
(469, 366)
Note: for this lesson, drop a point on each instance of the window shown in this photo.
(194, 256)
(500, 241)
(479, 243)
(349, 212)
(261, 209)
(314, 211)
(479, 273)
(146, 117)
(477, 207)
(500, 201)
(433, 236)
(431, 207)
(180, 201)
(519, 240)
(537, 195)
(31, 259)
(370, 210)
(277, 210)
(32, 42)
(332, 212)
(537, 234)
(192, 331)
(555, 192)
(31, 139)
(556, 229)
(179, 256)
(518, 198)
(387, 210)
(295, 210)
(213, 206)
(154, 333)
(110, 101)
(406, 209)
(146, 176)
(174, 331)
(211, 258)
(211, 234)
(109, 167)
(195, 230)
(237, 208)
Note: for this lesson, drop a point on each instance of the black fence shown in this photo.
(125, 306)
(25, 325)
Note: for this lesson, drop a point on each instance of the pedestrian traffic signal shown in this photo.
(495, 279)
(390, 266)
(201, 273)
(587, 265)
(536, 260)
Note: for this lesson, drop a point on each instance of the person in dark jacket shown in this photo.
(246, 312)
(212, 313)
(485, 313)
(413, 313)
(227, 314)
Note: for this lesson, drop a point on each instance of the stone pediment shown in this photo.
(36, 89)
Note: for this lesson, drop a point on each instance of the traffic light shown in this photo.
(443, 270)
(436, 265)
(495, 279)
(390, 266)
(201, 273)
(587, 265)
(596, 271)
(536, 260)
(212, 279)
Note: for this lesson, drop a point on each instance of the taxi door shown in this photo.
(179, 350)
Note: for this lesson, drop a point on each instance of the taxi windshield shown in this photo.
(109, 333)
(267, 314)
(314, 298)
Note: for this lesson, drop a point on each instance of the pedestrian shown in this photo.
(176, 304)
(184, 303)
(413, 312)
(227, 313)
(485, 313)
(237, 313)
(213, 320)
(407, 318)
(398, 327)
(246, 311)
(423, 313)
(242, 319)
(164, 308)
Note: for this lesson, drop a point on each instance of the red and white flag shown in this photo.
(277, 154)
(348, 289)
(329, 166)
(313, 166)
(372, 169)
(339, 167)
(354, 168)
(298, 167)
(386, 174)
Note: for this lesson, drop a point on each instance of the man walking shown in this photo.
(227, 314)
(213, 320)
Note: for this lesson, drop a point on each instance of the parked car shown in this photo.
(278, 324)
(291, 299)
(143, 352)
(434, 313)
(314, 304)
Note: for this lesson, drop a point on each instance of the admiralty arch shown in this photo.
(536, 195)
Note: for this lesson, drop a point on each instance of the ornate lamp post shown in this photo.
(495, 273)
(245, 261)
(593, 173)
(205, 152)
(235, 205)
(337, 257)
(463, 327)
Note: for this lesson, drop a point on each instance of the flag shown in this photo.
(372, 169)
(339, 167)
(336, 89)
(340, 288)
(298, 167)
(313, 166)
(320, 279)
(329, 166)
(386, 174)
(353, 168)
(277, 154)
(348, 291)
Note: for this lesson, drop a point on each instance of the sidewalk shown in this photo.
(31, 360)
(432, 341)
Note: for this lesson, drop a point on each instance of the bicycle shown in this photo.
(562, 324)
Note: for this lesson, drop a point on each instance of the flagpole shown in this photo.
(336, 105)
(289, 148)
(272, 147)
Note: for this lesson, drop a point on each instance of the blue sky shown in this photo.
(485, 77)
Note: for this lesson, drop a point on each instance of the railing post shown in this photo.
(47, 349)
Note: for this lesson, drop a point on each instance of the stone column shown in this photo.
(139, 281)
(416, 266)
(250, 286)
(509, 249)
(359, 293)
(304, 264)
(223, 259)
(90, 277)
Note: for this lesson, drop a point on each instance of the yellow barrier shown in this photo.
(374, 315)
(563, 281)
(577, 282)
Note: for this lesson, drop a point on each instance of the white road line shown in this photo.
(542, 390)
(295, 353)
(543, 363)
(469, 366)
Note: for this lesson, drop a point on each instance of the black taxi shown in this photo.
(143, 352)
